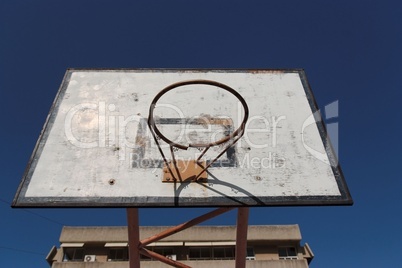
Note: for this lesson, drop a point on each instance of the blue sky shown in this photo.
(350, 51)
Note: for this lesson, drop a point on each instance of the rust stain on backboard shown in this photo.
(188, 171)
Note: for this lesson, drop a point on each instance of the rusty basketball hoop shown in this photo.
(194, 170)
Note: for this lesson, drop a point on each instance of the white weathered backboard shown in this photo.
(96, 149)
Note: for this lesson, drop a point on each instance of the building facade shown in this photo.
(271, 246)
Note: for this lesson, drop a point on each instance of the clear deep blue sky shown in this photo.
(350, 50)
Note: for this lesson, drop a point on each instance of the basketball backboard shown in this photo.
(97, 147)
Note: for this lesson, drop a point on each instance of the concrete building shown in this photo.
(200, 246)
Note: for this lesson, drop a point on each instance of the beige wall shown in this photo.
(194, 264)
(264, 239)
(196, 233)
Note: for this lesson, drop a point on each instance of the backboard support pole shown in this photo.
(133, 237)
(137, 246)
(241, 236)
(184, 226)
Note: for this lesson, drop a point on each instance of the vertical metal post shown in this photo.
(133, 237)
(241, 237)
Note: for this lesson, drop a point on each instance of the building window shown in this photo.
(73, 254)
(163, 251)
(223, 253)
(208, 253)
(118, 254)
(202, 253)
(287, 253)
(250, 254)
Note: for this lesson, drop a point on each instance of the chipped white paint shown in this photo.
(93, 138)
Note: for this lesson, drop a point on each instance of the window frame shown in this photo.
(250, 254)
(288, 250)
(74, 250)
(116, 250)
(200, 257)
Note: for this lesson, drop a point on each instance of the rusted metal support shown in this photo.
(184, 226)
(162, 258)
(136, 246)
(241, 237)
(133, 237)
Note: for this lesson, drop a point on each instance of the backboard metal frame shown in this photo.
(23, 200)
